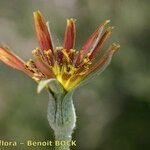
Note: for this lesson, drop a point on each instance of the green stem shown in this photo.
(62, 118)
(62, 141)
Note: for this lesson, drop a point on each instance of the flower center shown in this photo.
(68, 67)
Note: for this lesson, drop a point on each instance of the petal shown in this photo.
(97, 69)
(53, 84)
(92, 40)
(9, 58)
(42, 31)
(104, 60)
(43, 67)
(70, 34)
(101, 42)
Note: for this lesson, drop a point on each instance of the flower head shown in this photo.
(66, 64)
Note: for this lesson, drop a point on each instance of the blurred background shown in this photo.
(113, 110)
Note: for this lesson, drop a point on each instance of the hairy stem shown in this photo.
(62, 118)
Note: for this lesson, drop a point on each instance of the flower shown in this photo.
(67, 65)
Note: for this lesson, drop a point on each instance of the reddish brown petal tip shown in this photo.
(71, 22)
(105, 59)
(91, 43)
(42, 31)
(70, 34)
(10, 59)
(37, 14)
(115, 47)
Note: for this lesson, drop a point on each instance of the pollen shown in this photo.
(65, 68)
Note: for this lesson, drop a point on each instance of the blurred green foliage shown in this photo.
(112, 110)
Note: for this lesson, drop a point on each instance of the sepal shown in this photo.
(51, 84)
(61, 112)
